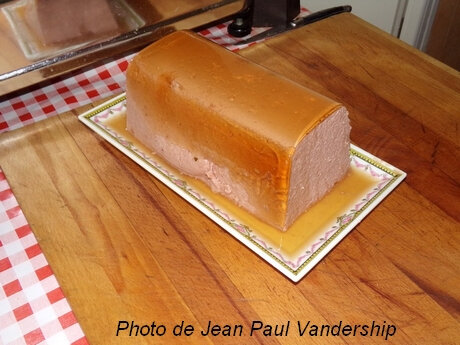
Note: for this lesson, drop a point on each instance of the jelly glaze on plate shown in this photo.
(307, 241)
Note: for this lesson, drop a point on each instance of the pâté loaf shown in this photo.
(267, 143)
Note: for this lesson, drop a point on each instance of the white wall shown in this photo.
(378, 12)
(409, 20)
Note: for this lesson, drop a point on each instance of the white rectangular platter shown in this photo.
(295, 252)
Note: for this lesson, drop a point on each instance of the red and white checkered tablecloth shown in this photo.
(33, 309)
(89, 84)
(66, 93)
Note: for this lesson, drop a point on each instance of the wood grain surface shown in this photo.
(125, 247)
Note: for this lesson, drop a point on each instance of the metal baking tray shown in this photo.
(25, 61)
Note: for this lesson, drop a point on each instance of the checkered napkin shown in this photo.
(89, 84)
(33, 309)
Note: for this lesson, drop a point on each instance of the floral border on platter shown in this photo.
(386, 177)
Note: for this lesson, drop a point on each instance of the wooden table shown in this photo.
(125, 247)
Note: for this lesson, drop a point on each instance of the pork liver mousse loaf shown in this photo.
(265, 142)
